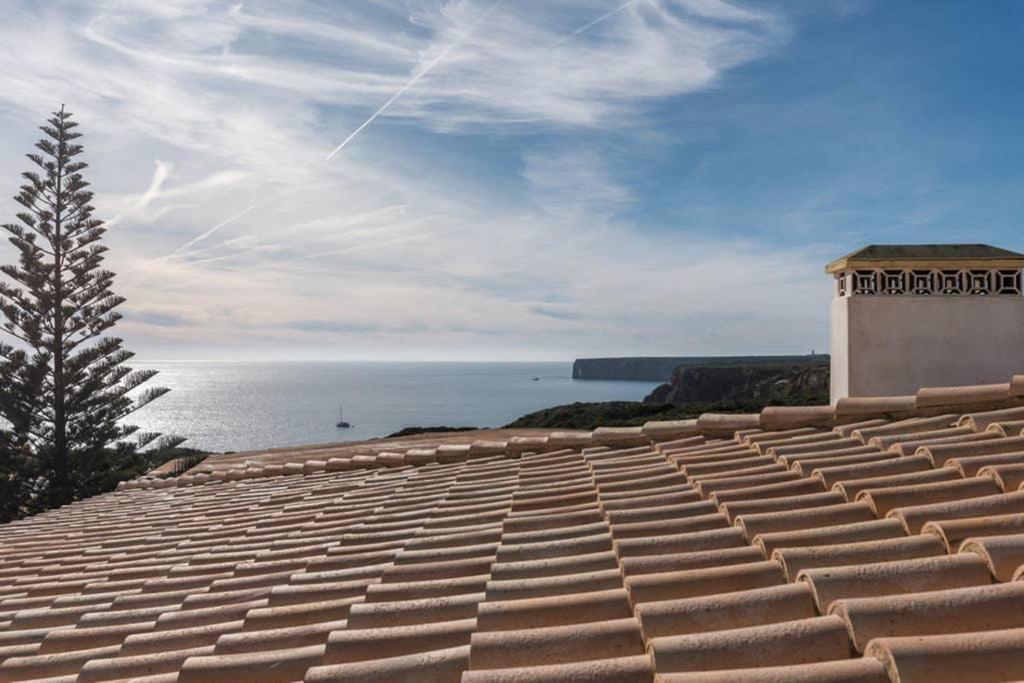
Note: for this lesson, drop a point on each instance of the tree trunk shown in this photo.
(62, 479)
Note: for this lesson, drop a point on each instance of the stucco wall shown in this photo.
(884, 346)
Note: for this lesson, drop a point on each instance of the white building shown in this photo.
(907, 316)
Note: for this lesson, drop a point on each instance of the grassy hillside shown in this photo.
(633, 413)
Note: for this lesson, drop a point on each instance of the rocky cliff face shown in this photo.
(645, 369)
(793, 383)
(659, 369)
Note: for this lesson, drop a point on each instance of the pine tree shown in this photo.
(64, 388)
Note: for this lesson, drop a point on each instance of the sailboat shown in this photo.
(341, 419)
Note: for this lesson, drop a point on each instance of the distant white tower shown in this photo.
(907, 316)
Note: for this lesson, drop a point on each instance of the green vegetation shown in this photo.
(413, 431)
(589, 416)
(64, 388)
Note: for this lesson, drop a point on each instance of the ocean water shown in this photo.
(234, 406)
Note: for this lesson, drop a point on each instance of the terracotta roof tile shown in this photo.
(875, 405)
(346, 645)
(834, 474)
(270, 666)
(1002, 554)
(916, 516)
(1007, 477)
(634, 669)
(780, 417)
(435, 665)
(705, 581)
(894, 577)
(722, 611)
(909, 426)
(806, 518)
(819, 639)
(852, 488)
(930, 397)
(700, 559)
(799, 502)
(957, 610)
(841, 671)
(556, 644)
(531, 560)
(885, 499)
(873, 530)
(951, 658)
(123, 667)
(278, 638)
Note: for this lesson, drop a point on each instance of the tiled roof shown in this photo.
(927, 255)
(879, 541)
(886, 252)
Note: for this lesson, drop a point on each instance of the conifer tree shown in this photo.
(64, 387)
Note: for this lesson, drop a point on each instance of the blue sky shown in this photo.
(555, 179)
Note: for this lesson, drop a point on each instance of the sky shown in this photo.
(514, 180)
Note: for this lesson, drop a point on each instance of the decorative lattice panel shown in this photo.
(907, 282)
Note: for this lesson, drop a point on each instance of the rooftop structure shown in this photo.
(876, 540)
(908, 315)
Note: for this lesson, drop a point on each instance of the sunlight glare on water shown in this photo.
(229, 406)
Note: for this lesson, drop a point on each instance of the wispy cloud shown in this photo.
(482, 195)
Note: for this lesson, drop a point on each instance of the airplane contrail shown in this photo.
(595, 22)
(415, 79)
(214, 229)
(391, 100)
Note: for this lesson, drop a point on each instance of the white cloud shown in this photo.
(195, 110)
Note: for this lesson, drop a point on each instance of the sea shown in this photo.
(237, 406)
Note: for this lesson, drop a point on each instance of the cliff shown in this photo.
(743, 382)
(659, 369)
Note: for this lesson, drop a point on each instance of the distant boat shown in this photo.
(341, 419)
(536, 379)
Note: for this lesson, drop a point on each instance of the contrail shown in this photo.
(214, 229)
(391, 100)
(415, 79)
(595, 22)
(401, 91)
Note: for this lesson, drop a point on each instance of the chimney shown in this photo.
(908, 316)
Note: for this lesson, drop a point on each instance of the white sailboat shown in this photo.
(341, 419)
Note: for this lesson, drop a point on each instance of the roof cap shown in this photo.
(927, 255)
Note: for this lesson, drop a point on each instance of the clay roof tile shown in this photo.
(914, 517)
(875, 530)
(955, 610)
(860, 670)
(704, 581)
(851, 489)
(670, 430)
(846, 430)
(818, 639)
(1002, 554)
(951, 658)
(556, 644)
(805, 518)
(859, 406)
(437, 665)
(963, 396)
(885, 499)
(782, 417)
(1009, 477)
(629, 669)
(894, 577)
(720, 611)
(712, 424)
(271, 666)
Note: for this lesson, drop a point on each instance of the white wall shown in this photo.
(894, 345)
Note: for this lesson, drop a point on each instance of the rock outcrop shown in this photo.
(659, 369)
(737, 382)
